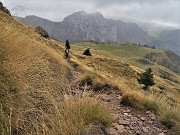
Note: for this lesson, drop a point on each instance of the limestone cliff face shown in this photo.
(81, 26)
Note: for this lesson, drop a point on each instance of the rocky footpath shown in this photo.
(130, 121)
(127, 120)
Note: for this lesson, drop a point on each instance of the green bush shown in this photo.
(151, 105)
(166, 118)
(97, 113)
(146, 78)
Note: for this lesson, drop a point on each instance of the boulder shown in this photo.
(42, 31)
(87, 52)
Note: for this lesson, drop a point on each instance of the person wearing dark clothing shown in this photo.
(66, 54)
(67, 45)
(87, 52)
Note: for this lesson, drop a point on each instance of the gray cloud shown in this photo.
(161, 12)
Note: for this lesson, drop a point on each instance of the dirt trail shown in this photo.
(128, 121)
(131, 121)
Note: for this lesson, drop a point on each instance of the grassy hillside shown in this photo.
(34, 80)
(120, 66)
(34, 83)
(137, 56)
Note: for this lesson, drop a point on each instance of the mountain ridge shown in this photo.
(81, 26)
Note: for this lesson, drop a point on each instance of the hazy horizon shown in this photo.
(162, 13)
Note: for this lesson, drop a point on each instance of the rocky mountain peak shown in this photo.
(82, 16)
(83, 26)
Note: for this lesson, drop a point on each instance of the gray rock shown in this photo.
(138, 132)
(148, 112)
(115, 117)
(140, 123)
(105, 98)
(152, 117)
(119, 97)
(112, 131)
(96, 129)
(126, 114)
(114, 124)
(131, 127)
(142, 118)
(144, 129)
(150, 122)
(130, 132)
(161, 134)
(128, 111)
(123, 122)
(120, 128)
(42, 31)
(135, 118)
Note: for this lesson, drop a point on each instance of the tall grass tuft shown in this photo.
(151, 105)
(167, 117)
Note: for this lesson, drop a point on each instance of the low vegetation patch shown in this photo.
(76, 112)
(132, 99)
(167, 118)
(145, 61)
(96, 84)
(151, 105)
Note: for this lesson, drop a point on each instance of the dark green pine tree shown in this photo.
(146, 78)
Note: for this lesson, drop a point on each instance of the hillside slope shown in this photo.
(36, 81)
(34, 86)
(31, 69)
(135, 57)
(120, 65)
(34, 21)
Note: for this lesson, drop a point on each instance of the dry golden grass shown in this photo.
(32, 101)
(123, 75)
(37, 74)
(78, 112)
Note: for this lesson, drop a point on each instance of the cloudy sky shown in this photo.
(160, 12)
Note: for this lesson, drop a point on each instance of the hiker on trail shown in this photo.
(66, 53)
(67, 46)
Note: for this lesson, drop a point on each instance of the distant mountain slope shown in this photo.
(169, 40)
(166, 59)
(82, 26)
(34, 21)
